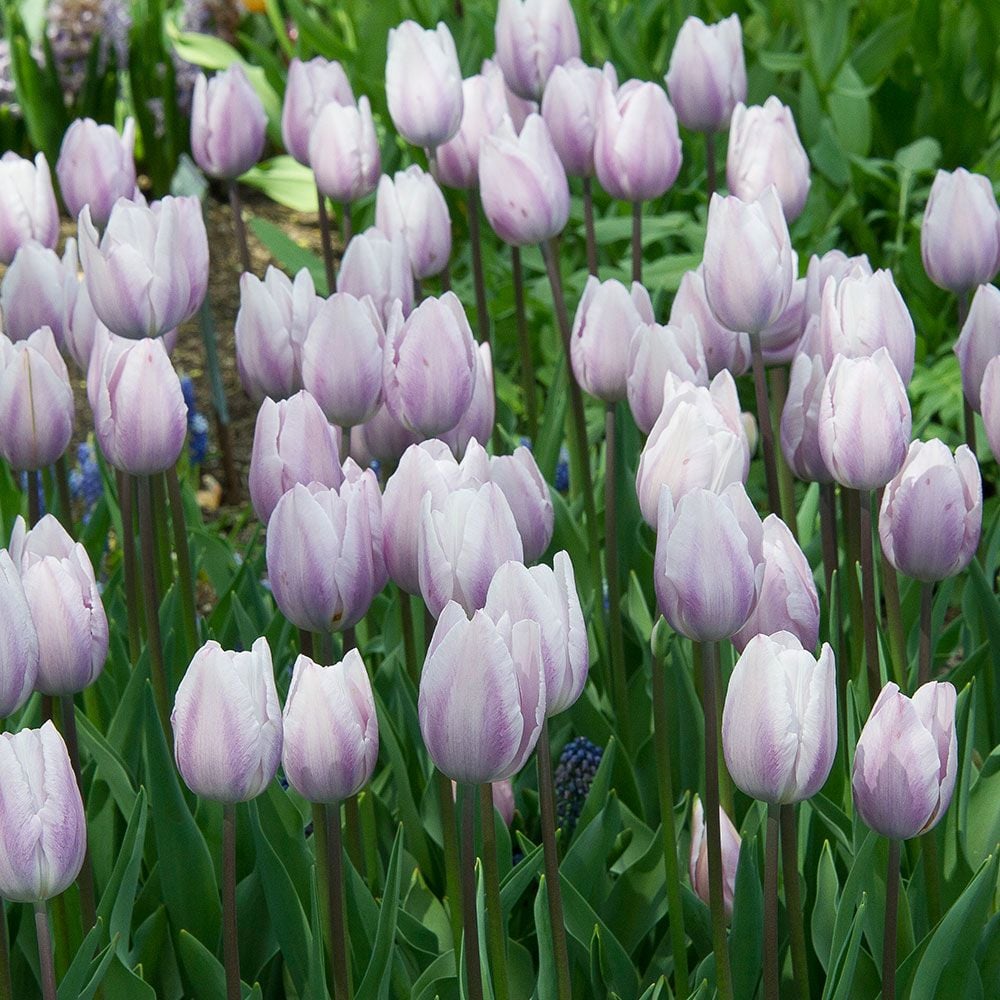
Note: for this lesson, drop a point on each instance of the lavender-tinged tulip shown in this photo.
(375, 265)
(423, 83)
(43, 831)
(461, 545)
(532, 38)
(18, 640)
(960, 234)
(482, 695)
(227, 723)
(342, 359)
(39, 289)
(523, 184)
(547, 596)
(28, 209)
(637, 148)
(106, 344)
(707, 76)
(228, 123)
(864, 421)
(833, 264)
(140, 416)
(96, 167)
(430, 365)
(749, 266)
(989, 395)
(365, 480)
(697, 442)
(311, 86)
(411, 204)
(485, 107)
(906, 761)
(779, 723)
(932, 512)
(382, 438)
(698, 863)
(330, 743)
(605, 322)
(706, 592)
(800, 420)
(527, 492)
(723, 347)
(292, 443)
(780, 340)
(271, 326)
(65, 603)
(478, 420)
(344, 151)
(36, 401)
(979, 341)
(570, 107)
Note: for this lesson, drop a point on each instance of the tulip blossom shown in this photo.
(39, 289)
(96, 167)
(344, 151)
(527, 492)
(979, 341)
(833, 264)
(18, 640)
(377, 265)
(532, 38)
(800, 420)
(989, 394)
(28, 209)
(698, 863)
(411, 203)
(228, 123)
(310, 87)
(382, 438)
(723, 347)
(570, 107)
(781, 339)
(478, 420)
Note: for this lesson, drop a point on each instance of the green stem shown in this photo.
(891, 918)
(65, 501)
(189, 611)
(968, 412)
(239, 227)
(326, 242)
(619, 683)
(710, 184)
(852, 544)
(777, 378)
(85, 880)
(133, 596)
(330, 884)
(46, 967)
(894, 622)
(494, 911)
(926, 656)
(409, 638)
(870, 608)
(323, 883)
(524, 345)
(764, 424)
(230, 941)
(6, 990)
(772, 980)
(223, 428)
(34, 504)
(355, 851)
(452, 864)
(478, 278)
(588, 226)
(164, 564)
(470, 939)
(637, 241)
(793, 901)
(346, 225)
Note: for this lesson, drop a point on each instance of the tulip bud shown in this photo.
(375, 265)
(517, 107)
(833, 264)
(731, 844)
(28, 209)
(503, 799)
(960, 234)
(723, 347)
(65, 604)
(527, 492)
(96, 167)
(383, 438)
(461, 545)
(605, 322)
(43, 830)
(781, 339)
(570, 107)
(478, 420)
(932, 512)
(482, 695)
(979, 341)
(864, 421)
(707, 76)
(697, 442)
(311, 86)
(430, 365)
(989, 394)
(484, 109)
(330, 741)
(18, 640)
(523, 184)
(800, 420)
(411, 203)
(227, 723)
(532, 38)
(39, 290)
(344, 151)
(228, 123)
(423, 83)
(906, 760)
(637, 148)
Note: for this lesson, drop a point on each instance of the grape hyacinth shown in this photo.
(85, 483)
(578, 763)
(561, 482)
(197, 424)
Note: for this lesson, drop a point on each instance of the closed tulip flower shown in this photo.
(228, 123)
(523, 184)
(989, 395)
(932, 512)
(96, 167)
(960, 234)
(707, 76)
(383, 438)
(800, 420)
(833, 264)
(39, 289)
(532, 38)
(570, 107)
(311, 86)
(484, 106)
(979, 341)
(18, 640)
(478, 420)
(864, 421)
(330, 743)
(698, 864)
(423, 83)
(482, 695)
(344, 151)
(411, 203)
(527, 492)
(227, 723)
(724, 348)
(43, 831)
(28, 209)
(780, 341)
(906, 761)
(377, 265)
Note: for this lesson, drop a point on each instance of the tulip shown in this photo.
(411, 204)
(228, 123)
(344, 151)
(82, 328)
(605, 322)
(570, 107)
(800, 420)
(39, 290)
(637, 148)
(423, 84)
(707, 76)
(503, 800)
(36, 401)
(932, 512)
(517, 107)
(779, 722)
(65, 603)
(482, 695)
(697, 442)
(105, 343)
(780, 340)
(375, 265)
(706, 592)
(979, 341)
(382, 438)
(960, 234)
(731, 844)
(227, 723)
(523, 184)
(461, 545)
(43, 831)
(342, 359)
(906, 761)
(527, 492)
(723, 347)
(28, 209)
(330, 741)
(96, 167)
(532, 38)
(833, 264)
(310, 87)
(18, 640)
(478, 420)
(430, 365)
(989, 394)
(292, 443)
(864, 421)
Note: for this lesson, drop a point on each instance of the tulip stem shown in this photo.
(230, 941)
(34, 503)
(852, 544)
(325, 241)
(891, 916)
(665, 787)
(330, 886)
(452, 863)
(346, 226)
(772, 979)
(547, 806)
(85, 881)
(478, 280)
(894, 621)
(524, 345)
(46, 966)
(355, 851)
(164, 564)
(926, 649)
(710, 183)
(65, 497)
(409, 638)
(619, 683)
(494, 911)
(6, 990)
(588, 226)
(709, 682)
(133, 598)
(869, 608)
(189, 611)
(778, 379)
(765, 425)
(223, 428)
(793, 901)
(637, 241)
(236, 204)
(470, 940)
(968, 412)
(828, 533)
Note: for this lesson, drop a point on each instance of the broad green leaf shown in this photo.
(746, 936)
(375, 985)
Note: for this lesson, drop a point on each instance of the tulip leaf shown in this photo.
(518, 879)
(110, 767)
(207, 972)
(840, 982)
(857, 881)
(122, 983)
(378, 975)
(543, 931)
(982, 828)
(824, 913)
(289, 254)
(746, 939)
(118, 899)
(80, 969)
